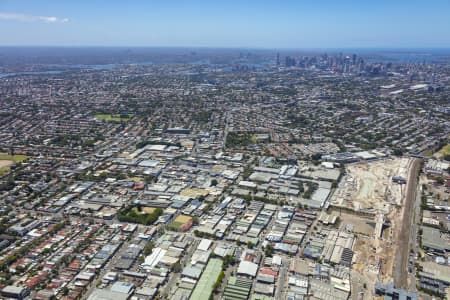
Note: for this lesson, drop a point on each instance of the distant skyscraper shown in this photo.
(290, 62)
(278, 58)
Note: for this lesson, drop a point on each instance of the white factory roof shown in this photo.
(98, 294)
(248, 184)
(365, 155)
(154, 258)
(418, 86)
(204, 245)
(155, 147)
(247, 268)
(122, 287)
(276, 260)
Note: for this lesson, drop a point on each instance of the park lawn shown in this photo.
(133, 215)
(113, 117)
(180, 221)
(428, 153)
(15, 158)
(4, 170)
(445, 150)
(183, 219)
(136, 210)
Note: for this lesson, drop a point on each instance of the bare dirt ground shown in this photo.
(361, 225)
(368, 188)
(373, 259)
(6, 163)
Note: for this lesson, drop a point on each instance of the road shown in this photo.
(282, 278)
(225, 132)
(400, 269)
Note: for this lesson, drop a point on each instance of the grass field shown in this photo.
(4, 170)
(183, 219)
(14, 158)
(133, 215)
(180, 221)
(176, 225)
(114, 117)
(7, 160)
(445, 150)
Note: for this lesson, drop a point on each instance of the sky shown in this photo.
(227, 23)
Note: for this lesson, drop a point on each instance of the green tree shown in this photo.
(268, 251)
(250, 245)
(177, 267)
(397, 152)
(148, 248)
(65, 291)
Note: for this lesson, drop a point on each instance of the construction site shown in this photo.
(369, 199)
(368, 186)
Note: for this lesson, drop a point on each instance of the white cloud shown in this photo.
(30, 18)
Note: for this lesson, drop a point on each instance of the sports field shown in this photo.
(14, 158)
(114, 117)
(180, 221)
(7, 160)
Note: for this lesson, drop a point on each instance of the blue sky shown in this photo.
(227, 23)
